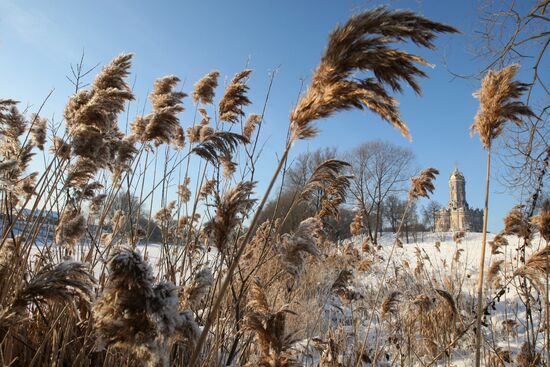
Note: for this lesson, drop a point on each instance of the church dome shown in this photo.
(456, 175)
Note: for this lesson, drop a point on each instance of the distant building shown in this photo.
(458, 216)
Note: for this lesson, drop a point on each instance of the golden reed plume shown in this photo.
(498, 103)
(422, 185)
(363, 44)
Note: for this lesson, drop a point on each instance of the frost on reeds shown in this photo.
(59, 283)
(305, 239)
(499, 102)
(234, 98)
(230, 209)
(196, 291)
(204, 90)
(269, 326)
(135, 314)
(363, 44)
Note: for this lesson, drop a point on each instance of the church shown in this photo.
(458, 216)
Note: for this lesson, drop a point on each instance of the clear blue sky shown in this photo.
(40, 39)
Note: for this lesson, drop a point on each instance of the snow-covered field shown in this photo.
(438, 262)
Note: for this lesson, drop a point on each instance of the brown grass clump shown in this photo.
(363, 44)
(499, 102)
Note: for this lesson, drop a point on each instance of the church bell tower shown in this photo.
(457, 191)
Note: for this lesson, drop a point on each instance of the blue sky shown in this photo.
(40, 39)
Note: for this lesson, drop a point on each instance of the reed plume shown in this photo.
(517, 223)
(38, 131)
(327, 180)
(363, 44)
(498, 241)
(458, 236)
(196, 291)
(91, 117)
(492, 273)
(217, 145)
(204, 90)
(135, 314)
(230, 209)
(356, 225)
(389, 305)
(71, 227)
(184, 193)
(422, 185)
(234, 98)
(60, 148)
(251, 122)
(162, 125)
(269, 326)
(59, 283)
(341, 287)
(536, 267)
(542, 220)
(305, 239)
(498, 103)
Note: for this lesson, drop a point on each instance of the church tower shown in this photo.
(457, 191)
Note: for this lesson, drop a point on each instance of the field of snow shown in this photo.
(454, 266)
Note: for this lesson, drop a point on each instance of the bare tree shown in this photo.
(380, 169)
(429, 212)
(514, 31)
